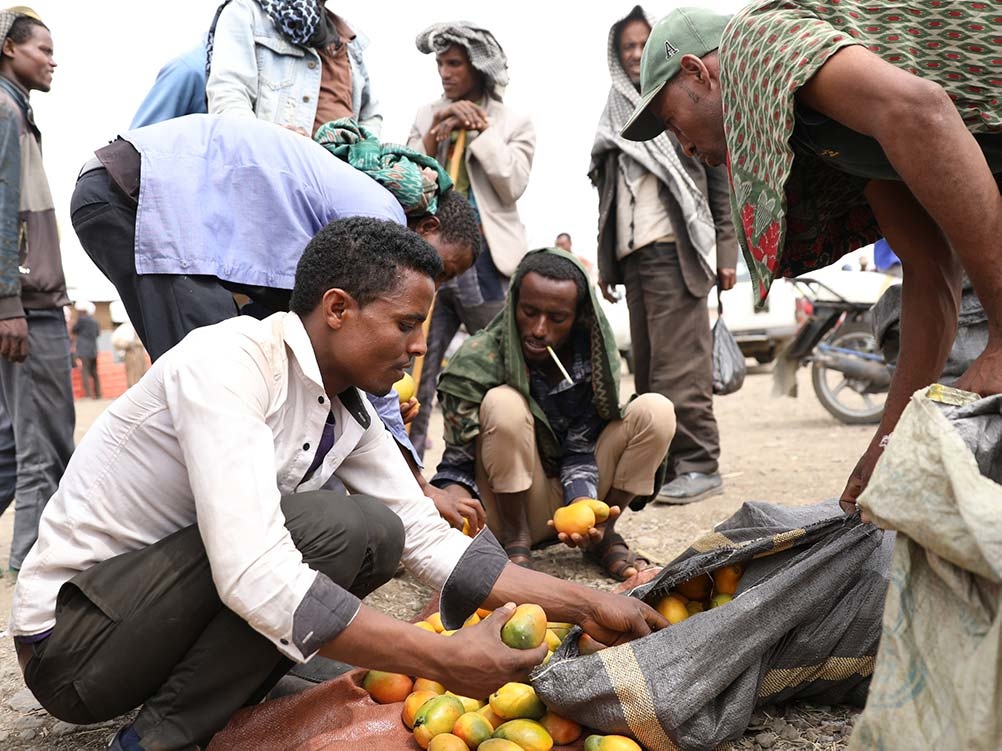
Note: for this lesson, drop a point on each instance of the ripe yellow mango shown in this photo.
(405, 388)
(491, 716)
(526, 628)
(483, 612)
(561, 730)
(473, 728)
(719, 600)
(517, 701)
(436, 716)
(387, 688)
(577, 518)
(425, 684)
(560, 629)
(412, 704)
(726, 579)
(473, 620)
(610, 743)
(447, 742)
(672, 608)
(694, 607)
(426, 626)
(435, 619)
(588, 645)
(552, 640)
(528, 734)
(498, 744)
(470, 705)
(599, 508)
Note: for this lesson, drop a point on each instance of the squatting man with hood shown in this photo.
(192, 517)
(665, 232)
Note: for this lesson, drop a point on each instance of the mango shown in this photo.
(412, 704)
(436, 716)
(697, 588)
(473, 728)
(588, 645)
(473, 620)
(599, 508)
(387, 688)
(610, 743)
(470, 705)
(491, 716)
(672, 608)
(561, 730)
(526, 628)
(498, 744)
(694, 607)
(435, 619)
(577, 518)
(726, 579)
(528, 734)
(426, 626)
(425, 684)
(447, 742)
(560, 629)
(719, 600)
(483, 612)
(405, 388)
(517, 701)
(552, 640)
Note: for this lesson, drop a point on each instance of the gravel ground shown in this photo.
(779, 450)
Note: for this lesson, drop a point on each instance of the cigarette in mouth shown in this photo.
(560, 365)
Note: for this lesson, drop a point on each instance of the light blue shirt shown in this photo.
(239, 199)
(388, 409)
(179, 90)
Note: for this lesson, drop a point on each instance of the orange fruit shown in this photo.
(473, 728)
(426, 626)
(697, 588)
(435, 717)
(577, 518)
(387, 688)
(589, 646)
(491, 716)
(599, 508)
(425, 684)
(561, 730)
(412, 704)
(526, 628)
(483, 612)
(447, 742)
(435, 619)
(473, 620)
(726, 579)
(672, 608)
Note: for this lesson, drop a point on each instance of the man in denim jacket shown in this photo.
(289, 63)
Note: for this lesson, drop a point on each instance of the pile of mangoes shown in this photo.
(511, 719)
(700, 593)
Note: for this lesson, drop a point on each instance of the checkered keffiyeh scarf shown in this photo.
(486, 55)
(416, 180)
(657, 156)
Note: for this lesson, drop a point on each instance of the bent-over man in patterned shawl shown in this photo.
(533, 420)
(840, 122)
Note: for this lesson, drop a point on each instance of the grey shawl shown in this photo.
(657, 156)
(486, 55)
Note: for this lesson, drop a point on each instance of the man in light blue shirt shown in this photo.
(179, 90)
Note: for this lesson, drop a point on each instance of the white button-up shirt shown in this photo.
(219, 429)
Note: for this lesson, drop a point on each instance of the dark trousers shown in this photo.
(162, 307)
(450, 312)
(37, 397)
(89, 378)
(672, 353)
(147, 627)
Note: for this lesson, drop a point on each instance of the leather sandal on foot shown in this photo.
(614, 556)
(520, 555)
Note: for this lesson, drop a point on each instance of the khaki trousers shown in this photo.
(628, 454)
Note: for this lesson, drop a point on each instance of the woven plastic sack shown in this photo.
(804, 624)
(728, 363)
(938, 677)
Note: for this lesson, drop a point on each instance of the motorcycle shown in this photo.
(848, 371)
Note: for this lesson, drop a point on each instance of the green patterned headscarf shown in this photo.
(416, 180)
(494, 357)
(796, 211)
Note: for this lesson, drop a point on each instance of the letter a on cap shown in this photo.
(670, 50)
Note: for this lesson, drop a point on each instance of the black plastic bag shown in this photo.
(728, 363)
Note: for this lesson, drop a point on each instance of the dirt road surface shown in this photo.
(780, 450)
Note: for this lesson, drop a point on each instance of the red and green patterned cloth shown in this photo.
(795, 211)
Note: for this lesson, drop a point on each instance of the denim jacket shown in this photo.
(257, 72)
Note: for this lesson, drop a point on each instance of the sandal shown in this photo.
(614, 557)
(520, 555)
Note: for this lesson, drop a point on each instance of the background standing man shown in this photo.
(488, 151)
(35, 388)
(85, 331)
(665, 232)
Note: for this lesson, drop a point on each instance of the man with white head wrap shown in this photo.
(488, 150)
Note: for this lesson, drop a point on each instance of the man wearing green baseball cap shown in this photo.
(842, 123)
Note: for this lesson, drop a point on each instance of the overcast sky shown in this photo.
(109, 52)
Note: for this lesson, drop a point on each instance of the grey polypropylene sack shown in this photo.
(805, 623)
(728, 363)
(938, 677)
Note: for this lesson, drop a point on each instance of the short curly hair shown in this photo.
(551, 266)
(23, 29)
(459, 222)
(363, 256)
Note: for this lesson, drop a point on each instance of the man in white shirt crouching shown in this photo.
(191, 556)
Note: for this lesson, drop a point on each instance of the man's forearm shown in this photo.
(562, 600)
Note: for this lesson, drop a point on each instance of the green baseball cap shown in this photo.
(684, 31)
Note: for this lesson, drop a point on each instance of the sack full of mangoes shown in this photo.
(777, 603)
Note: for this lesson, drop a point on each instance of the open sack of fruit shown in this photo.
(938, 677)
(803, 622)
